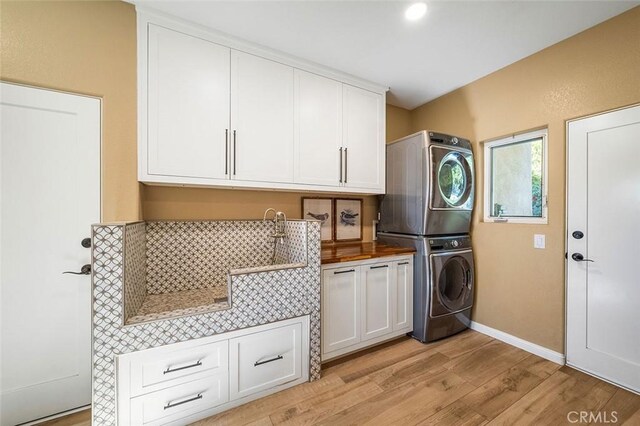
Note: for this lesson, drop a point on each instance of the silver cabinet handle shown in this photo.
(346, 159)
(378, 267)
(257, 363)
(340, 150)
(226, 151)
(234, 152)
(344, 272)
(171, 405)
(173, 370)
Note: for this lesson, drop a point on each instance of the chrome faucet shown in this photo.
(279, 224)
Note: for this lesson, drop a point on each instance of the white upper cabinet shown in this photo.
(363, 139)
(261, 119)
(219, 112)
(318, 129)
(188, 106)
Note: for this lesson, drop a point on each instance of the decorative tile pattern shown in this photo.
(180, 303)
(257, 298)
(192, 255)
(135, 268)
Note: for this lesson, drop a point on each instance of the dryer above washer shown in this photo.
(430, 185)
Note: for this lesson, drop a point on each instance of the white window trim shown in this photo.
(521, 137)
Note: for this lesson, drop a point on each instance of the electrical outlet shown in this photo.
(539, 241)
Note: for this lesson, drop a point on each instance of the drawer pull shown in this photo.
(173, 370)
(344, 272)
(257, 363)
(171, 405)
(403, 263)
(379, 266)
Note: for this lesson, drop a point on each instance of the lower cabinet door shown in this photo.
(177, 402)
(265, 359)
(340, 308)
(404, 296)
(377, 292)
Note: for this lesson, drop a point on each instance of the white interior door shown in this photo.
(603, 285)
(50, 181)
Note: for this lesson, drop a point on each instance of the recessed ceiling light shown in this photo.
(415, 11)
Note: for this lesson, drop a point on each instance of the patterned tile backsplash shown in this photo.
(176, 275)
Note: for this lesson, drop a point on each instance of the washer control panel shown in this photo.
(449, 243)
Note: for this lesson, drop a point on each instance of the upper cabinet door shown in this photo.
(318, 129)
(188, 105)
(261, 119)
(363, 132)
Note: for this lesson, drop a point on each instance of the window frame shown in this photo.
(488, 177)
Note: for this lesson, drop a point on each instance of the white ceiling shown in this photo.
(456, 43)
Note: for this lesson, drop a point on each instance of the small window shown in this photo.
(515, 178)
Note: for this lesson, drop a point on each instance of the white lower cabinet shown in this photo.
(364, 303)
(261, 361)
(181, 383)
(177, 402)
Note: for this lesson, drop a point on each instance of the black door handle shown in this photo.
(85, 270)
(578, 257)
(86, 242)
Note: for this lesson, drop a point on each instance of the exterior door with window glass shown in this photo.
(452, 179)
(603, 229)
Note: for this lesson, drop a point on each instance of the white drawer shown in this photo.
(180, 401)
(265, 359)
(168, 366)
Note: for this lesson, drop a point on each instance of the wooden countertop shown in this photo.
(348, 252)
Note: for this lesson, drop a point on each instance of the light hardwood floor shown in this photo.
(468, 379)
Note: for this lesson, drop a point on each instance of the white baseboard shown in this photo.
(525, 345)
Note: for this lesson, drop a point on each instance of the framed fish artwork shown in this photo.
(348, 219)
(320, 209)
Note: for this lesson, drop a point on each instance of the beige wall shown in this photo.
(398, 123)
(520, 290)
(88, 48)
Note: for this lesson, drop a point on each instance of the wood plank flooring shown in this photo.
(469, 379)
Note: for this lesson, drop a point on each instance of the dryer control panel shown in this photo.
(452, 141)
(449, 243)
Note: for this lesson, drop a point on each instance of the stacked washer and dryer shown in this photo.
(428, 206)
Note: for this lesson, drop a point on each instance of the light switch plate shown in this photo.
(539, 241)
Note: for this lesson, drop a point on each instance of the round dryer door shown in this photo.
(454, 179)
(455, 284)
(451, 179)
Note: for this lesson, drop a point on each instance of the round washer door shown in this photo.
(454, 179)
(454, 284)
